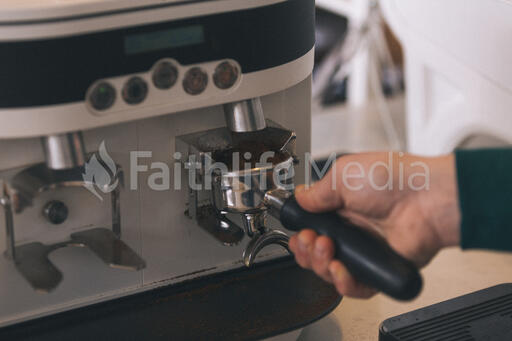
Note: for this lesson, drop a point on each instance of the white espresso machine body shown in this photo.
(125, 79)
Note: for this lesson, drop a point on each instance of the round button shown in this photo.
(195, 81)
(56, 212)
(225, 75)
(102, 96)
(165, 75)
(135, 90)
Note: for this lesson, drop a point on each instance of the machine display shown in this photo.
(163, 39)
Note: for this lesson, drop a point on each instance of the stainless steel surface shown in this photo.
(253, 222)
(107, 245)
(34, 180)
(275, 199)
(64, 151)
(115, 201)
(34, 265)
(244, 191)
(238, 191)
(257, 243)
(219, 225)
(31, 259)
(5, 201)
(245, 116)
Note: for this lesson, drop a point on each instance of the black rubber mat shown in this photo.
(485, 315)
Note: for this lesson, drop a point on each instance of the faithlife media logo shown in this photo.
(100, 173)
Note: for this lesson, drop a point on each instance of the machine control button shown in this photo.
(165, 75)
(102, 96)
(225, 75)
(56, 212)
(195, 81)
(135, 90)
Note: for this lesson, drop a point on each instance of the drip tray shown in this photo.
(244, 304)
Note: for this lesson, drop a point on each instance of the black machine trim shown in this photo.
(60, 70)
(271, 298)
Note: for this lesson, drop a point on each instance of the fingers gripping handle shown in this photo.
(369, 259)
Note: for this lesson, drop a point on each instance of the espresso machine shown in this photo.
(148, 156)
(102, 105)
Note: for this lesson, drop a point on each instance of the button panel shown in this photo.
(167, 82)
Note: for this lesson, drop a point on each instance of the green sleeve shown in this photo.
(485, 194)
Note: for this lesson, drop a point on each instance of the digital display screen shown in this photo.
(163, 39)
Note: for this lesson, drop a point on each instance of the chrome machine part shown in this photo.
(34, 265)
(236, 189)
(64, 151)
(265, 239)
(244, 191)
(218, 225)
(5, 202)
(31, 259)
(275, 199)
(245, 116)
(254, 222)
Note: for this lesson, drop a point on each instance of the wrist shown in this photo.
(442, 202)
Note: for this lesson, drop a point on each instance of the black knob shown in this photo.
(195, 81)
(135, 90)
(56, 212)
(102, 96)
(165, 75)
(226, 75)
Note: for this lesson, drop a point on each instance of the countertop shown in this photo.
(452, 273)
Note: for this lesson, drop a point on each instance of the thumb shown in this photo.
(320, 197)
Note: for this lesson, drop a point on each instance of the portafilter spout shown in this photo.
(64, 151)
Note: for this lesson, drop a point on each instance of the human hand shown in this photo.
(412, 203)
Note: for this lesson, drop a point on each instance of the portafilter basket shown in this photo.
(243, 191)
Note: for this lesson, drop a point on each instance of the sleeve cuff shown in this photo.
(485, 196)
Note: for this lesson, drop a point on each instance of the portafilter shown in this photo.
(367, 257)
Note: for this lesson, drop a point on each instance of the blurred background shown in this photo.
(410, 75)
(358, 91)
(423, 76)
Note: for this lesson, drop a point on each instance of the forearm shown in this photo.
(485, 197)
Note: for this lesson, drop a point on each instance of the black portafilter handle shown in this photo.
(367, 257)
